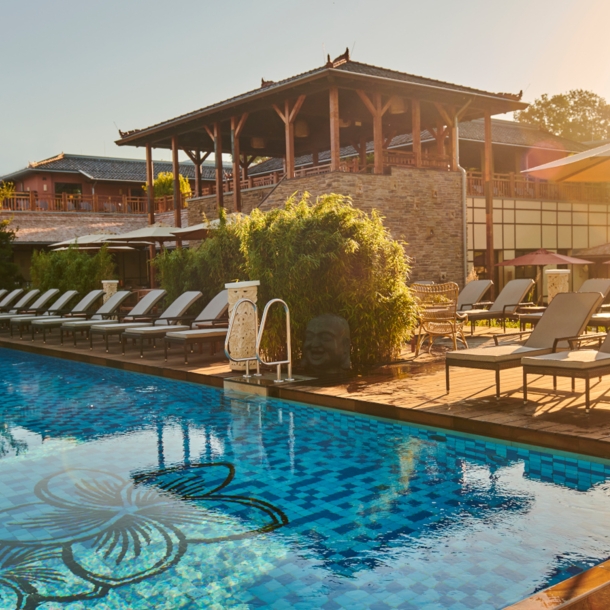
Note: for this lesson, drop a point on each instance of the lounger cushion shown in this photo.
(497, 353)
(46, 321)
(114, 327)
(201, 333)
(482, 314)
(155, 330)
(580, 360)
(84, 323)
(600, 318)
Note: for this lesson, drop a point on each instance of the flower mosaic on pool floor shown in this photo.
(120, 490)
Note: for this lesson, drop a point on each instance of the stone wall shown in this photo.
(422, 207)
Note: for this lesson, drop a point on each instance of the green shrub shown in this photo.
(71, 269)
(9, 271)
(326, 257)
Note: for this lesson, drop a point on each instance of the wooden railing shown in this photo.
(515, 186)
(31, 201)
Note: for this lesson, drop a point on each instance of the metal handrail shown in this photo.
(247, 360)
(259, 338)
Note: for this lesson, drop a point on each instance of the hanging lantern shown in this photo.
(397, 106)
(257, 143)
(301, 129)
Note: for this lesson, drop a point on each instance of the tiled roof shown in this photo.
(507, 133)
(109, 168)
(349, 66)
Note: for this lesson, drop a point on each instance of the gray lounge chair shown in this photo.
(108, 309)
(578, 364)
(10, 298)
(56, 310)
(470, 296)
(37, 307)
(591, 285)
(3, 292)
(566, 316)
(81, 309)
(505, 306)
(210, 326)
(158, 330)
(140, 312)
(176, 311)
(20, 306)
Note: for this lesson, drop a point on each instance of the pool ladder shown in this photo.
(259, 338)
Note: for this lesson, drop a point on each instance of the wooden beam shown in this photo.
(489, 198)
(217, 137)
(367, 102)
(378, 134)
(335, 132)
(198, 174)
(416, 130)
(177, 194)
(462, 111)
(444, 114)
(288, 116)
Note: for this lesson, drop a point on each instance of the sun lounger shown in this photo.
(108, 309)
(56, 310)
(10, 298)
(22, 306)
(158, 330)
(140, 313)
(566, 316)
(210, 326)
(505, 305)
(37, 307)
(470, 296)
(3, 292)
(592, 285)
(176, 311)
(577, 364)
(81, 309)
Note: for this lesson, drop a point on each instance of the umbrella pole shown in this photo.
(539, 285)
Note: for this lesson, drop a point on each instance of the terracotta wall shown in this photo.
(422, 207)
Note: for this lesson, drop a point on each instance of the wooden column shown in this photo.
(335, 131)
(377, 111)
(177, 194)
(197, 163)
(150, 188)
(216, 136)
(237, 125)
(489, 198)
(150, 195)
(416, 130)
(288, 116)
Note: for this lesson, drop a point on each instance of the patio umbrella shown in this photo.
(200, 231)
(588, 166)
(92, 238)
(541, 258)
(146, 234)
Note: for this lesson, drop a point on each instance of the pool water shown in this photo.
(120, 490)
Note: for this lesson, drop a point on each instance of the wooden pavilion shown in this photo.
(340, 104)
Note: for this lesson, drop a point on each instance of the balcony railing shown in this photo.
(31, 201)
(514, 186)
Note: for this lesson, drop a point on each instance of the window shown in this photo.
(68, 187)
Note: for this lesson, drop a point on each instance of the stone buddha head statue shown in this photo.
(327, 345)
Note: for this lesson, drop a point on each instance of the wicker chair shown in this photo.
(438, 315)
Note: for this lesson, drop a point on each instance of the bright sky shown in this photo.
(73, 71)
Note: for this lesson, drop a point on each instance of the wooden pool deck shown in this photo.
(413, 391)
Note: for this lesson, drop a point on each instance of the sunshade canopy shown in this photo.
(92, 238)
(150, 233)
(543, 257)
(200, 231)
(588, 166)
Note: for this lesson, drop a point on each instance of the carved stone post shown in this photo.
(243, 337)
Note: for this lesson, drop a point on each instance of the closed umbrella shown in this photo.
(540, 258)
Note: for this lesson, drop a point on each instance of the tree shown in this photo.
(578, 114)
(164, 185)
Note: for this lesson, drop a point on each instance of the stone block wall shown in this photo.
(422, 207)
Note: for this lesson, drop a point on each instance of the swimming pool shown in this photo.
(120, 490)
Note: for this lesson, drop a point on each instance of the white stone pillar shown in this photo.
(109, 287)
(243, 335)
(557, 280)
